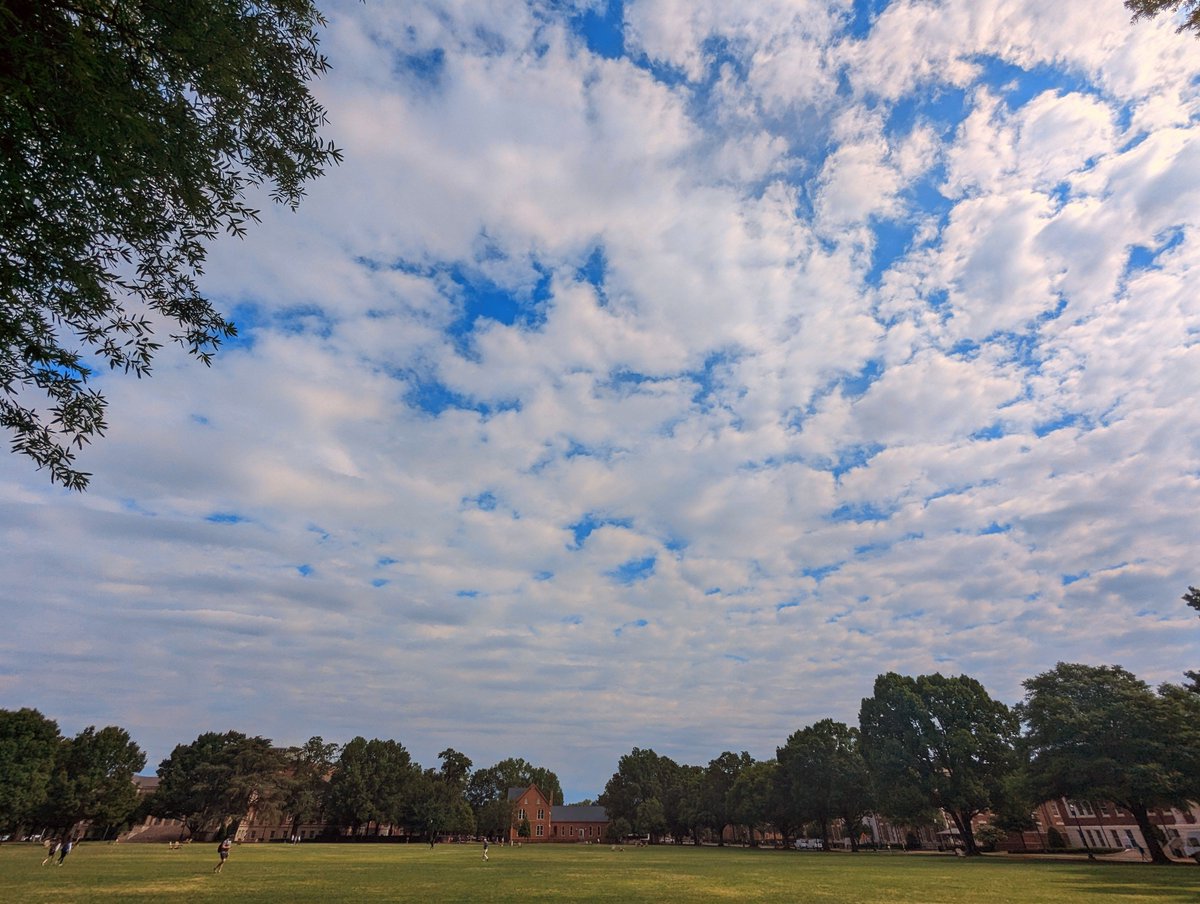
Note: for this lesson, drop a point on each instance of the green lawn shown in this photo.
(99, 872)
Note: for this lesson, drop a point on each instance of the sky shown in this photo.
(656, 374)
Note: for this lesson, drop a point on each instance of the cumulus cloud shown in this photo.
(656, 398)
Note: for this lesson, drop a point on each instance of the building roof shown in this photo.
(578, 813)
(514, 793)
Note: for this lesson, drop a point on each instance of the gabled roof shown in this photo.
(514, 793)
(578, 813)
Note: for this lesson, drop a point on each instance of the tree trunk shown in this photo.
(1142, 816)
(966, 832)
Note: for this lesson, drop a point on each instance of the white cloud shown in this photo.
(978, 456)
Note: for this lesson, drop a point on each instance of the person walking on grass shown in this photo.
(223, 853)
(53, 850)
(64, 850)
(485, 850)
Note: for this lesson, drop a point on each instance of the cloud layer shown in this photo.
(657, 374)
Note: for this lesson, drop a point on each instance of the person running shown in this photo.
(223, 853)
(64, 850)
(485, 850)
(53, 851)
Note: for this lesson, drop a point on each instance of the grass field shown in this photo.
(362, 873)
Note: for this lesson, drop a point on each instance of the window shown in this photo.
(541, 830)
(1054, 809)
(1116, 838)
(541, 813)
(1103, 809)
(521, 813)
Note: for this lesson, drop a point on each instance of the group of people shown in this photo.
(61, 847)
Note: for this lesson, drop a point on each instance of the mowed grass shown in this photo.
(322, 873)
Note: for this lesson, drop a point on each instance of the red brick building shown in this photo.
(529, 804)
(553, 823)
(578, 823)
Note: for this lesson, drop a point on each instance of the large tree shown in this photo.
(751, 797)
(937, 742)
(719, 776)
(1100, 732)
(28, 750)
(826, 778)
(131, 132)
(639, 790)
(93, 780)
(371, 784)
(1148, 9)
(217, 778)
(306, 784)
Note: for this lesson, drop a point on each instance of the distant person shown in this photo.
(485, 850)
(1141, 850)
(53, 850)
(64, 850)
(223, 853)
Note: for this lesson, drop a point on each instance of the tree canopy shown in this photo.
(131, 134)
(825, 778)
(1099, 732)
(28, 751)
(936, 742)
(1148, 9)
(93, 780)
(217, 778)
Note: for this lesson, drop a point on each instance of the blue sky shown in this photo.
(656, 374)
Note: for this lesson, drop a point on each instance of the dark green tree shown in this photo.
(436, 805)
(933, 743)
(1013, 810)
(682, 801)
(1148, 9)
(1099, 732)
(305, 786)
(29, 745)
(93, 780)
(638, 791)
(750, 797)
(456, 768)
(371, 784)
(217, 779)
(719, 776)
(130, 136)
(826, 778)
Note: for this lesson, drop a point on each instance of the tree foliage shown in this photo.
(639, 790)
(218, 778)
(937, 742)
(371, 783)
(1099, 732)
(825, 778)
(1148, 9)
(28, 751)
(715, 787)
(131, 134)
(93, 780)
(306, 784)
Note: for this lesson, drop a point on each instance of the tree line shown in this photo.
(937, 744)
(55, 784)
(923, 745)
